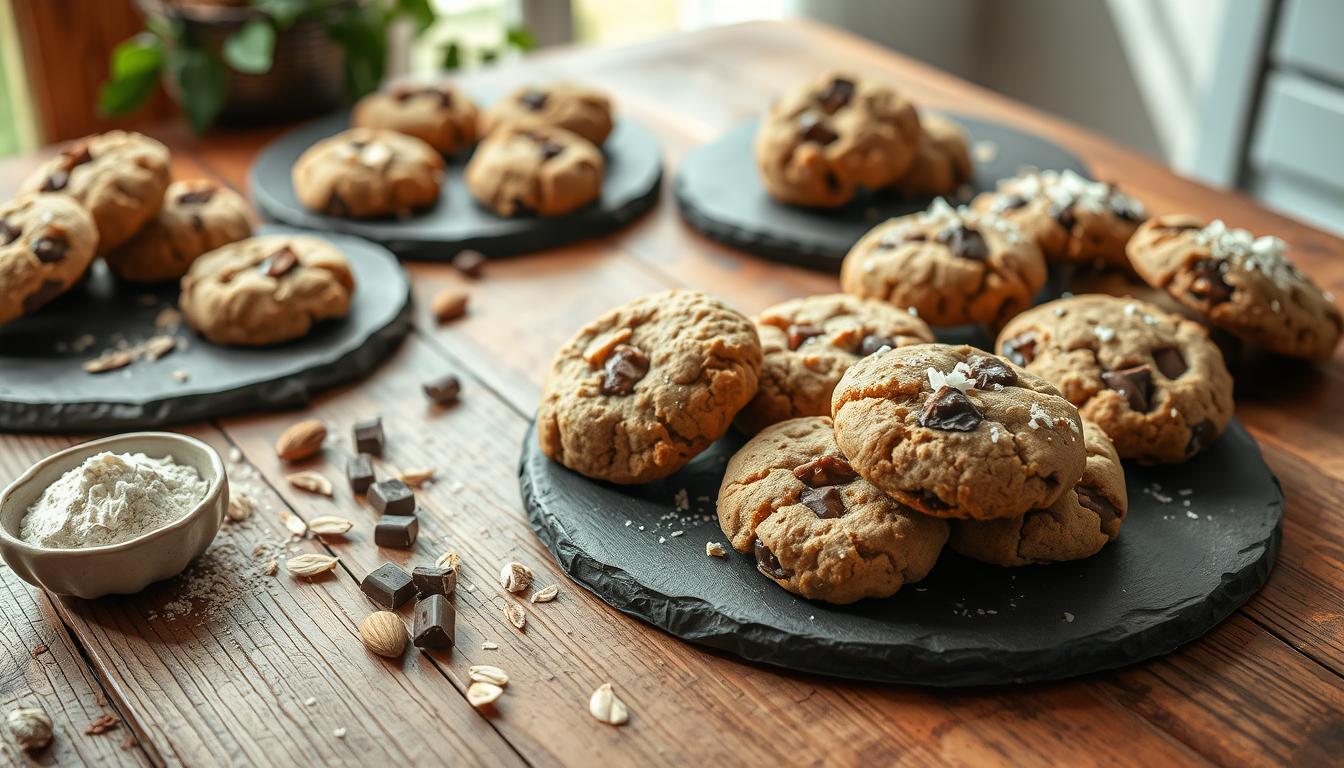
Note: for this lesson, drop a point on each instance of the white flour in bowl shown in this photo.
(111, 498)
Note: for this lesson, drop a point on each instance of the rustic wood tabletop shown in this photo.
(228, 665)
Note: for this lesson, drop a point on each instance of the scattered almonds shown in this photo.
(715, 549)
(31, 728)
(546, 595)
(293, 523)
(102, 724)
(449, 304)
(515, 577)
(449, 559)
(416, 477)
(110, 361)
(330, 525)
(301, 440)
(241, 507)
(270, 568)
(516, 615)
(606, 707)
(310, 564)
(484, 673)
(383, 633)
(310, 481)
(483, 694)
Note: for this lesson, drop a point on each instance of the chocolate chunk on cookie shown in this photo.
(436, 113)
(525, 170)
(47, 242)
(366, 172)
(197, 216)
(574, 108)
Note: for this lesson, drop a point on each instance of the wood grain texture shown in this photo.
(217, 680)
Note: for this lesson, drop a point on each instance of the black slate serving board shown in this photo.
(634, 174)
(720, 194)
(43, 387)
(1174, 573)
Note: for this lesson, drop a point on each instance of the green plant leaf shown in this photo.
(452, 56)
(284, 12)
(362, 32)
(132, 74)
(489, 55)
(202, 84)
(520, 37)
(420, 12)
(251, 48)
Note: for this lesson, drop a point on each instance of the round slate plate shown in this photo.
(634, 171)
(1175, 572)
(720, 194)
(43, 387)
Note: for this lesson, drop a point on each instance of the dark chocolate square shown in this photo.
(392, 497)
(435, 623)
(388, 586)
(369, 437)
(433, 580)
(359, 470)
(396, 531)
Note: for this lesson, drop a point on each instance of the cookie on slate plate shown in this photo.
(47, 242)
(1071, 218)
(197, 216)
(809, 343)
(365, 172)
(952, 266)
(525, 170)
(119, 176)
(643, 389)
(942, 160)
(265, 290)
(1152, 380)
(1240, 283)
(955, 432)
(575, 108)
(436, 113)
(829, 137)
(1084, 519)
(818, 529)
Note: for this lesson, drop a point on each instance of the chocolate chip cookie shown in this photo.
(436, 113)
(119, 176)
(942, 160)
(1153, 381)
(816, 528)
(365, 172)
(1241, 283)
(1084, 519)
(265, 290)
(809, 343)
(535, 170)
(197, 216)
(830, 137)
(563, 105)
(952, 266)
(46, 243)
(955, 432)
(1071, 218)
(637, 393)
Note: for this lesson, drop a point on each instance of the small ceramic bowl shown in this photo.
(132, 565)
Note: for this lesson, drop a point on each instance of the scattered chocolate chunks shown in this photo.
(392, 497)
(280, 263)
(359, 470)
(1134, 384)
(951, 410)
(1090, 498)
(837, 94)
(388, 586)
(433, 580)
(50, 250)
(812, 128)
(989, 371)
(369, 437)
(831, 469)
(396, 531)
(443, 390)
(827, 502)
(1170, 362)
(1207, 282)
(434, 623)
(876, 342)
(624, 368)
(1021, 350)
(799, 334)
(767, 563)
(964, 242)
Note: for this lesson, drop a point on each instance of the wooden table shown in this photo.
(228, 665)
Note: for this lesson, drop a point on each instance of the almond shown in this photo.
(449, 304)
(484, 673)
(546, 595)
(515, 577)
(301, 440)
(516, 615)
(606, 707)
(383, 633)
(312, 482)
(330, 525)
(310, 565)
(483, 694)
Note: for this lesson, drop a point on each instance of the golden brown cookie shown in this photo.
(535, 170)
(46, 244)
(197, 216)
(643, 389)
(809, 343)
(942, 160)
(436, 113)
(575, 108)
(818, 529)
(364, 172)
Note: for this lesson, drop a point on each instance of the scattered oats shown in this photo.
(338, 733)
(180, 376)
(241, 507)
(483, 694)
(449, 559)
(485, 673)
(1068, 617)
(715, 549)
(310, 481)
(110, 361)
(516, 615)
(515, 577)
(546, 595)
(310, 565)
(330, 525)
(489, 646)
(606, 707)
(416, 477)
(270, 568)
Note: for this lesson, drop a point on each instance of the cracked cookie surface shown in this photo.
(942, 160)
(436, 113)
(364, 173)
(815, 527)
(1240, 283)
(1084, 519)
(1153, 381)
(956, 432)
(642, 390)
(524, 170)
(952, 265)
(809, 343)
(575, 108)
(47, 242)
(197, 216)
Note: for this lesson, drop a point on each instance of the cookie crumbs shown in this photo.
(338, 733)
(1068, 617)
(812, 617)
(1192, 515)
(180, 376)
(682, 500)
(489, 646)
(675, 534)
(628, 523)
(662, 540)
(715, 549)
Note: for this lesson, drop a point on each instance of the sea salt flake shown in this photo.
(1103, 333)
(958, 378)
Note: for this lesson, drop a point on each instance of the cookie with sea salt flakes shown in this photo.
(956, 432)
(1153, 381)
(816, 528)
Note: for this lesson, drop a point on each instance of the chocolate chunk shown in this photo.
(831, 469)
(369, 437)
(1009, 203)
(1135, 384)
(534, 99)
(767, 563)
(432, 580)
(469, 262)
(1090, 498)
(1185, 227)
(800, 333)
(625, 366)
(1064, 216)
(433, 626)
(1208, 283)
(70, 158)
(1020, 349)
(876, 342)
(837, 94)
(550, 149)
(197, 223)
(359, 471)
(280, 263)
(1201, 436)
(49, 290)
(964, 242)
(832, 181)
(930, 500)
(8, 232)
(951, 410)
(392, 497)
(827, 502)
(336, 206)
(388, 586)
(811, 127)
(56, 181)
(196, 196)
(443, 390)
(50, 250)
(1170, 362)
(988, 371)
(396, 531)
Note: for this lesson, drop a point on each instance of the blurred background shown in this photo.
(1239, 93)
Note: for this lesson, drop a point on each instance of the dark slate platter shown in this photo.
(720, 194)
(1174, 573)
(634, 174)
(44, 389)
